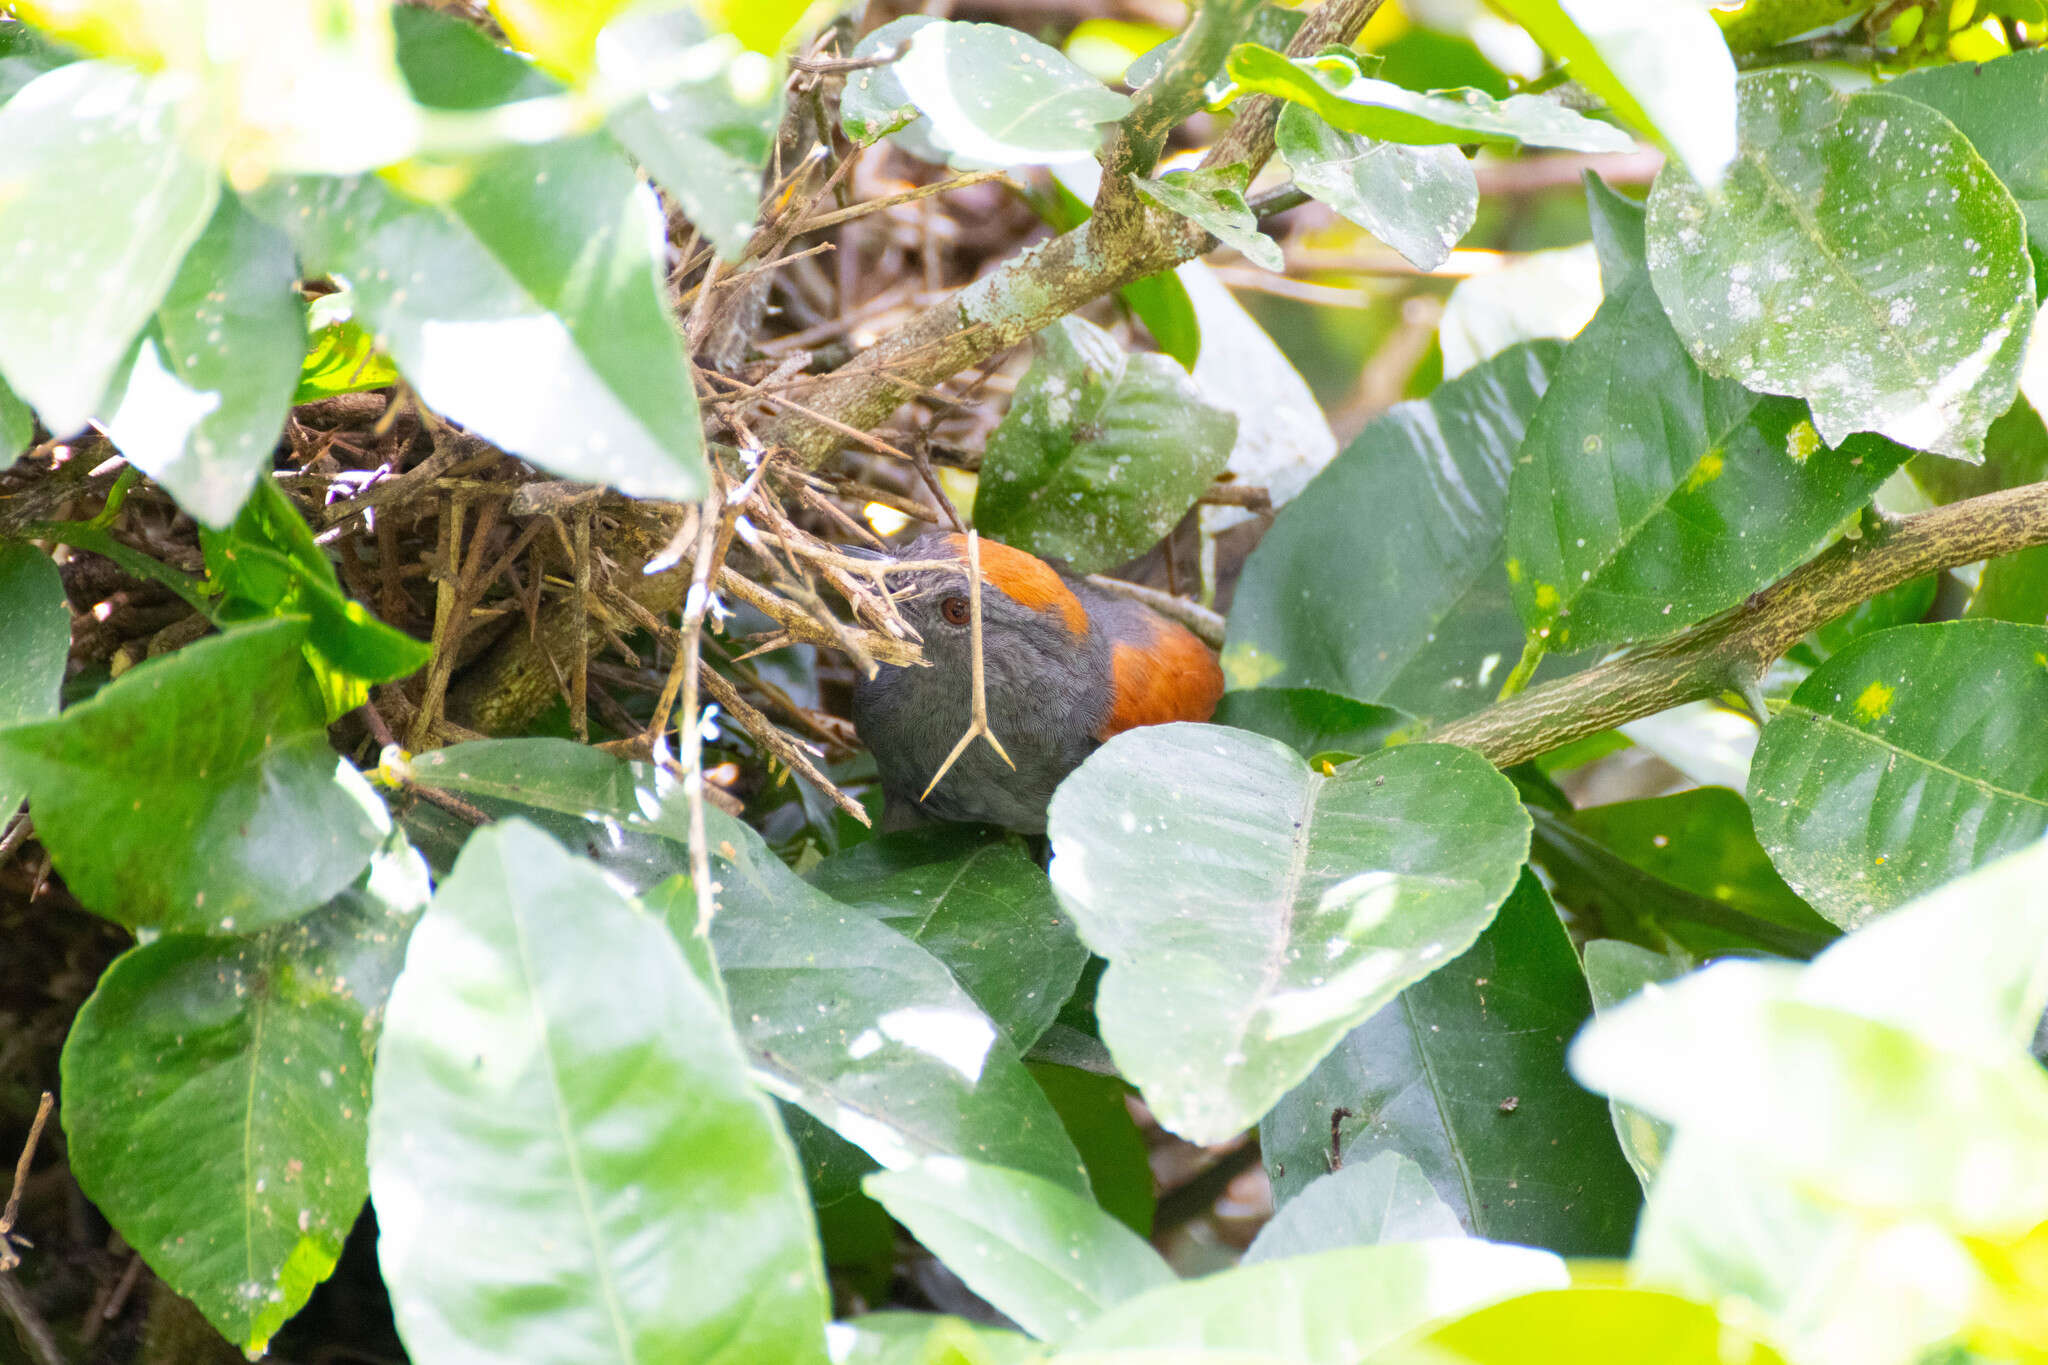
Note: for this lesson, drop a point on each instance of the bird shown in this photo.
(1067, 666)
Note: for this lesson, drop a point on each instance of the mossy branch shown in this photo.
(1730, 652)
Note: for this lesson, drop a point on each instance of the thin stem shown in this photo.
(86, 535)
(977, 724)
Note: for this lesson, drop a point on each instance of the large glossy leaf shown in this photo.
(982, 95)
(705, 140)
(1330, 1308)
(838, 1013)
(527, 305)
(217, 1097)
(1465, 1074)
(1860, 255)
(204, 400)
(1420, 617)
(1418, 200)
(1333, 85)
(899, 1338)
(1909, 757)
(1888, 1076)
(1101, 453)
(1588, 1325)
(35, 638)
(1047, 1258)
(1647, 495)
(104, 195)
(166, 798)
(1386, 1199)
(1998, 106)
(568, 1161)
(1253, 910)
(977, 902)
(1663, 68)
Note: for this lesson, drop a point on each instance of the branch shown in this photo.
(1732, 650)
(1178, 90)
(1035, 288)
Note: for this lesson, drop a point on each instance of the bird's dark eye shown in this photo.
(955, 610)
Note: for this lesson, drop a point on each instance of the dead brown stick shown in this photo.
(978, 716)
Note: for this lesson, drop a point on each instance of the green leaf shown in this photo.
(1330, 1308)
(1253, 911)
(1998, 106)
(1092, 1110)
(1272, 25)
(104, 196)
(1100, 453)
(987, 96)
(1465, 1074)
(1213, 199)
(165, 799)
(1648, 496)
(1420, 618)
(561, 35)
(342, 356)
(204, 401)
(267, 564)
(527, 306)
(17, 426)
(26, 53)
(1333, 85)
(1888, 1076)
(1588, 1325)
(900, 1338)
(567, 1158)
(1701, 841)
(1860, 255)
(1616, 971)
(1045, 1257)
(1421, 201)
(1663, 68)
(901, 1061)
(217, 1097)
(1386, 1199)
(1906, 759)
(1312, 722)
(705, 140)
(980, 905)
(35, 641)
(450, 63)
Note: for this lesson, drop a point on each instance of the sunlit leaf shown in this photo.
(1213, 199)
(1588, 1325)
(567, 1158)
(104, 195)
(1337, 89)
(1253, 910)
(1662, 67)
(1860, 255)
(1386, 1199)
(1047, 1258)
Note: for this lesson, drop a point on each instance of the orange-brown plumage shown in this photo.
(1172, 676)
(1026, 580)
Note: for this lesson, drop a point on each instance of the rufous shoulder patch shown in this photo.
(1026, 580)
(1172, 676)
